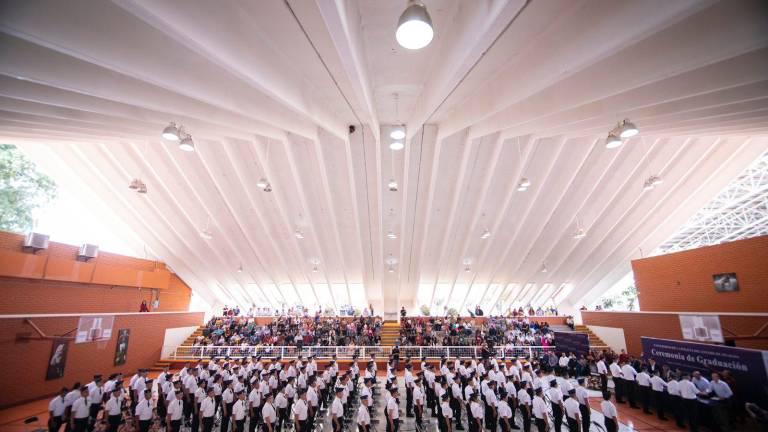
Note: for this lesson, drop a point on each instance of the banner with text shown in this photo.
(577, 343)
(749, 367)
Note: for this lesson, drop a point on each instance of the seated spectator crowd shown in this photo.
(291, 331)
(457, 331)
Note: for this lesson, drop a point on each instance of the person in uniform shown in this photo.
(419, 400)
(80, 411)
(582, 396)
(573, 412)
(539, 408)
(556, 400)
(490, 406)
(175, 412)
(254, 407)
(114, 410)
(95, 399)
(524, 405)
(227, 400)
(363, 415)
(268, 414)
(143, 412)
(281, 404)
(456, 401)
(657, 387)
(56, 408)
(69, 399)
(644, 389)
(337, 411)
(610, 415)
(239, 412)
(690, 394)
(445, 421)
(602, 370)
(301, 412)
(629, 375)
(618, 381)
(208, 410)
(505, 412)
(393, 411)
(408, 378)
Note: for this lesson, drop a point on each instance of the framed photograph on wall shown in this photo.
(725, 282)
(121, 348)
(58, 360)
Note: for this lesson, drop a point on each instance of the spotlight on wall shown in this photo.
(612, 141)
(414, 28)
(580, 233)
(523, 184)
(627, 129)
(206, 234)
(299, 235)
(134, 184)
(142, 188)
(486, 234)
(392, 185)
(186, 144)
(171, 132)
(391, 235)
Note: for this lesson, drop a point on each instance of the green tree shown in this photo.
(630, 297)
(23, 189)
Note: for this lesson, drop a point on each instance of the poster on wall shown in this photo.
(702, 328)
(94, 328)
(58, 359)
(575, 342)
(749, 367)
(121, 348)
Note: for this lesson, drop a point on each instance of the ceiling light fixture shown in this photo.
(134, 184)
(206, 234)
(579, 234)
(523, 184)
(262, 183)
(391, 262)
(171, 132)
(240, 269)
(627, 129)
(142, 188)
(392, 185)
(544, 268)
(396, 145)
(299, 235)
(414, 28)
(391, 235)
(397, 133)
(613, 141)
(656, 180)
(186, 144)
(486, 234)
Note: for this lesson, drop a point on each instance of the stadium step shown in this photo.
(594, 340)
(390, 332)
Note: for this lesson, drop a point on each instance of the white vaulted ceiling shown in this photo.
(507, 89)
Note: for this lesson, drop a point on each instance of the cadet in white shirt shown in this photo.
(408, 378)
(602, 370)
(474, 412)
(644, 389)
(629, 374)
(208, 410)
(419, 399)
(94, 399)
(227, 400)
(524, 405)
(175, 412)
(301, 412)
(610, 416)
(393, 411)
(556, 400)
(268, 414)
(675, 401)
(56, 408)
(689, 393)
(114, 410)
(582, 396)
(143, 412)
(239, 412)
(618, 381)
(363, 415)
(505, 412)
(80, 411)
(572, 412)
(540, 411)
(337, 411)
(721, 401)
(491, 417)
(445, 421)
(254, 407)
(657, 387)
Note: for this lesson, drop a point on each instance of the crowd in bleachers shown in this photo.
(291, 331)
(458, 331)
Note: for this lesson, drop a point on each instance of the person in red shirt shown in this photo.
(144, 307)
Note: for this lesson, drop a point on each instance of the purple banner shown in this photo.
(747, 366)
(575, 342)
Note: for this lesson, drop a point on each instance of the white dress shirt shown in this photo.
(628, 372)
(477, 410)
(539, 408)
(337, 408)
(601, 368)
(113, 407)
(392, 409)
(608, 409)
(571, 407)
(80, 408)
(504, 410)
(688, 390)
(643, 379)
(300, 409)
(208, 407)
(673, 388)
(523, 398)
(721, 389)
(268, 413)
(239, 409)
(657, 383)
(144, 410)
(445, 409)
(363, 416)
(56, 406)
(176, 409)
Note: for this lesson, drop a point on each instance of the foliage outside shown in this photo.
(23, 189)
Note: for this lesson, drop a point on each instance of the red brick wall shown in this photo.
(22, 375)
(682, 281)
(667, 326)
(20, 295)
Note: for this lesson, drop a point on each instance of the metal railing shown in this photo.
(345, 352)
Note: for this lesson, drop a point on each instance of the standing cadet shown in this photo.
(143, 412)
(418, 401)
(268, 414)
(363, 415)
(610, 416)
(629, 374)
(337, 411)
(254, 407)
(80, 411)
(505, 412)
(456, 401)
(618, 381)
(644, 389)
(675, 401)
(175, 412)
(56, 409)
(239, 411)
(114, 410)
(556, 400)
(208, 410)
(540, 411)
(657, 386)
(446, 414)
(393, 411)
(94, 400)
(281, 404)
(524, 405)
(408, 378)
(490, 406)
(301, 412)
(69, 399)
(602, 370)
(573, 412)
(227, 400)
(689, 394)
(582, 396)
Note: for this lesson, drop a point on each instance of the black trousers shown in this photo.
(144, 425)
(408, 401)
(54, 424)
(505, 427)
(176, 425)
(456, 407)
(255, 419)
(526, 418)
(490, 419)
(645, 398)
(207, 424)
(265, 427)
(619, 389)
(658, 403)
(240, 425)
(691, 407)
(396, 423)
(361, 428)
(603, 383)
(573, 425)
(419, 412)
(541, 425)
(114, 422)
(611, 425)
(557, 413)
(676, 405)
(81, 424)
(630, 389)
(586, 415)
